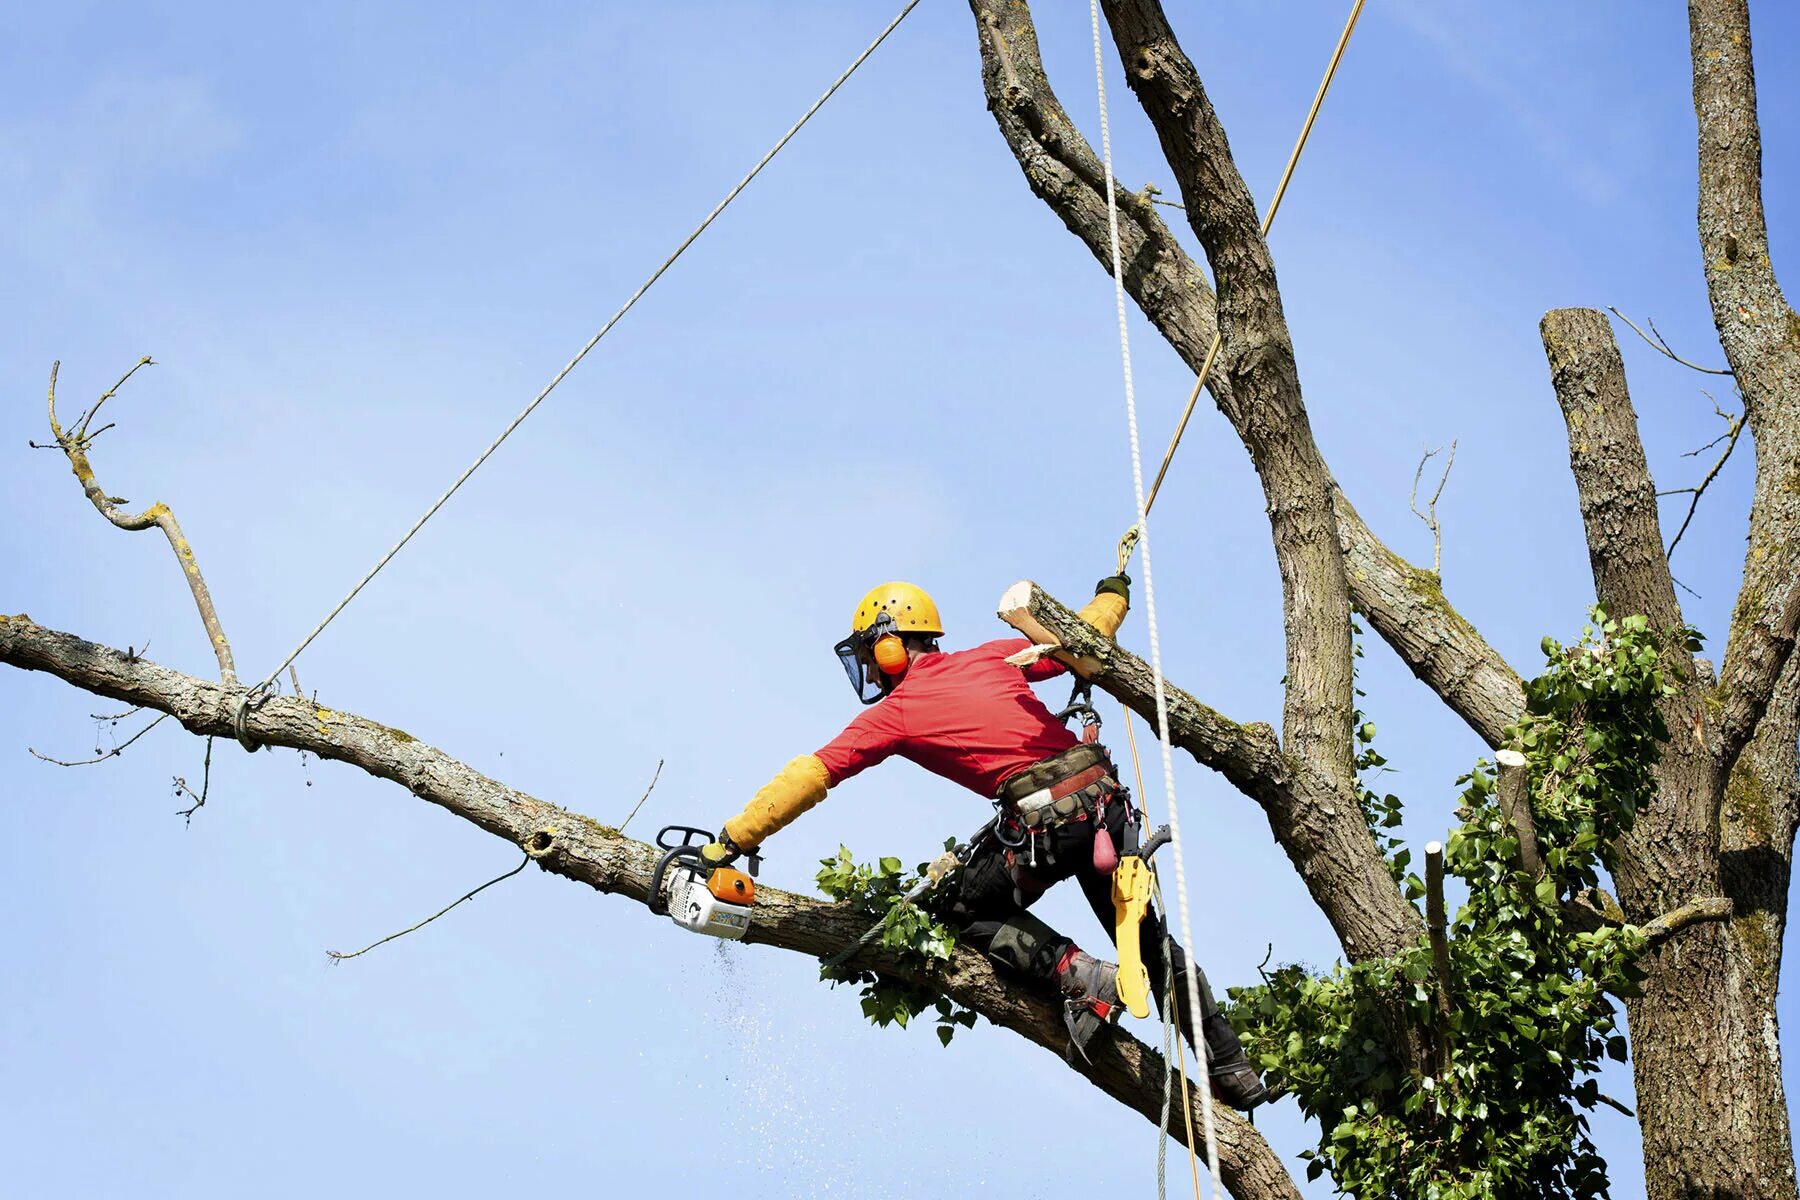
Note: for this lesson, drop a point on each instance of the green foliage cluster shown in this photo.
(1529, 1019)
(910, 931)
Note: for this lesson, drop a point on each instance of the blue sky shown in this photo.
(358, 238)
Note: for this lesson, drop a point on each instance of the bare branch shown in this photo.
(1737, 427)
(74, 445)
(81, 425)
(337, 956)
(100, 757)
(1429, 516)
(1658, 343)
(644, 797)
(199, 799)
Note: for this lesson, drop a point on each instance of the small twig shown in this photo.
(336, 956)
(113, 753)
(1605, 1099)
(1662, 346)
(1429, 516)
(1684, 587)
(1736, 427)
(182, 788)
(134, 709)
(645, 796)
(87, 417)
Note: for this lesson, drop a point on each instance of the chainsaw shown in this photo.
(697, 896)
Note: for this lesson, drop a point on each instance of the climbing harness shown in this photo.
(1130, 540)
(581, 354)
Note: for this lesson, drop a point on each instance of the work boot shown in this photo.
(1090, 991)
(1234, 1080)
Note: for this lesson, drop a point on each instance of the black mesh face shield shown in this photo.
(857, 654)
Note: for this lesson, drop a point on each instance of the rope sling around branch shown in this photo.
(244, 701)
(1127, 542)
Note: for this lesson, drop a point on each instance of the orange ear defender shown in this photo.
(890, 654)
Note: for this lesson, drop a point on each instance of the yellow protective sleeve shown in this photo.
(795, 788)
(1105, 612)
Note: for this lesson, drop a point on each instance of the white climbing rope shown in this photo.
(591, 343)
(1162, 698)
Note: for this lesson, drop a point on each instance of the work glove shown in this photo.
(1118, 585)
(720, 853)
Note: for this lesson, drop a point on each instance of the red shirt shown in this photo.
(966, 715)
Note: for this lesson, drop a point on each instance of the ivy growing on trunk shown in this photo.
(1532, 967)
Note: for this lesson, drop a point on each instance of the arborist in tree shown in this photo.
(971, 716)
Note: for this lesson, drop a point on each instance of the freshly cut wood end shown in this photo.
(1433, 849)
(1509, 758)
(1015, 609)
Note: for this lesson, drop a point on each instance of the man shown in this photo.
(971, 716)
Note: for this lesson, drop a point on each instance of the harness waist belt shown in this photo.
(1062, 774)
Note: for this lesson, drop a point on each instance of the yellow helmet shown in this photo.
(912, 610)
(874, 655)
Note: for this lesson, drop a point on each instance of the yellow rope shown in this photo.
(1129, 541)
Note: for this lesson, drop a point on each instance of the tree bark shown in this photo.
(577, 847)
(1404, 604)
(1760, 335)
(1704, 1034)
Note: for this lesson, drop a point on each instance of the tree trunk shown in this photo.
(1705, 1036)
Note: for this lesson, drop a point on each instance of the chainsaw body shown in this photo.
(705, 899)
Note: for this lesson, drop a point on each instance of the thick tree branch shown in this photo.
(577, 847)
(75, 445)
(1318, 824)
(1760, 335)
(1405, 605)
(1618, 497)
(1258, 354)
